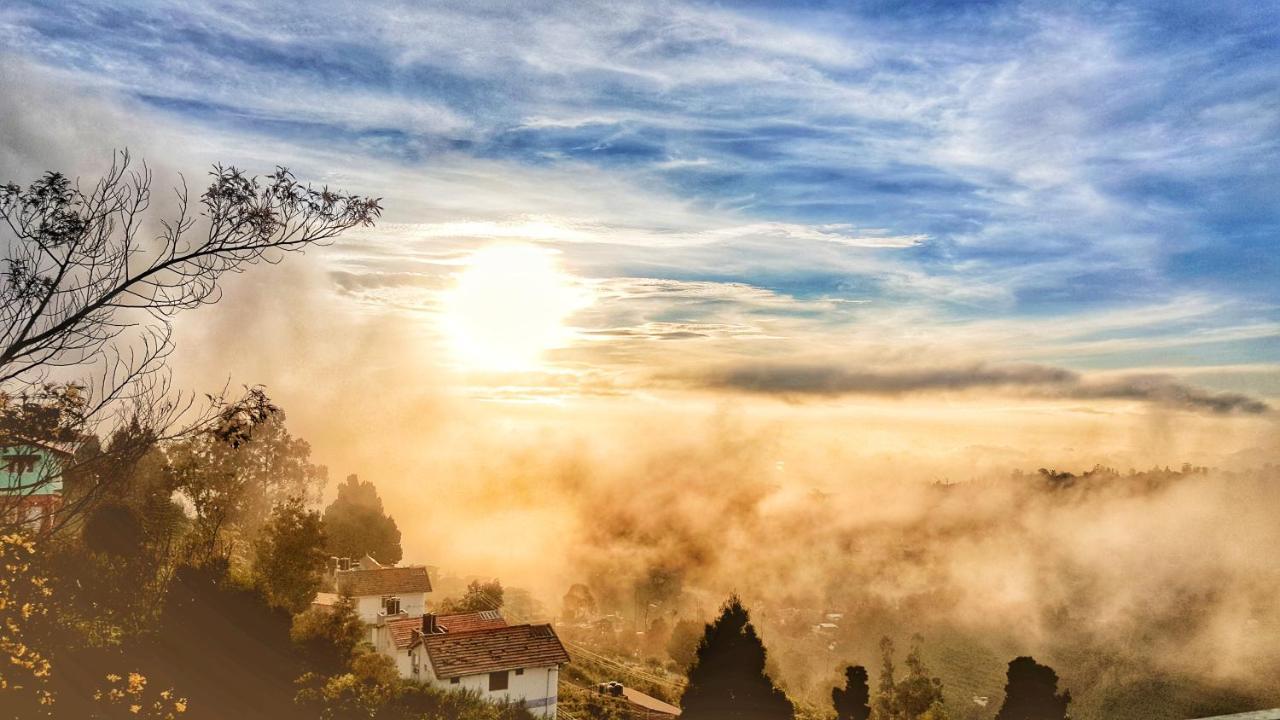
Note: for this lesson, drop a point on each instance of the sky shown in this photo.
(949, 236)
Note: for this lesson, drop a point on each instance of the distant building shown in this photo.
(31, 482)
(639, 705)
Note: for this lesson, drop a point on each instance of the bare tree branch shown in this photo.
(87, 300)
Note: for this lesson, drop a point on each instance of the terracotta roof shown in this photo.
(382, 581)
(483, 651)
(402, 630)
(468, 622)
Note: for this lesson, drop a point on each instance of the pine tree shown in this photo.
(1031, 693)
(727, 680)
(852, 702)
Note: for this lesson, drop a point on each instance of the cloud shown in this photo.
(824, 380)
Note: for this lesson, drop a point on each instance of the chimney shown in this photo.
(429, 626)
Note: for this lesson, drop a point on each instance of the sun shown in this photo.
(509, 307)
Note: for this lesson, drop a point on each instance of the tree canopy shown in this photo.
(727, 680)
(356, 525)
(1031, 693)
(289, 558)
(89, 288)
(853, 701)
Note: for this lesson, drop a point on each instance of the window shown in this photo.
(20, 464)
(498, 681)
(454, 681)
(520, 671)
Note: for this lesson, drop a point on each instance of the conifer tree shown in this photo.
(853, 701)
(1031, 693)
(727, 680)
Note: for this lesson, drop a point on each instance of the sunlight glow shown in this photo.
(509, 307)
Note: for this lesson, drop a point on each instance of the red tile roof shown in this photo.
(402, 634)
(402, 630)
(495, 649)
(468, 622)
(382, 581)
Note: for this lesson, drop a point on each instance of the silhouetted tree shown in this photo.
(1031, 693)
(479, 596)
(114, 529)
(727, 680)
(683, 643)
(224, 645)
(356, 525)
(853, 701)
(326, 637)
(288, 556)
(88, 284)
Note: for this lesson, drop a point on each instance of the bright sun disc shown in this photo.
(509, 307)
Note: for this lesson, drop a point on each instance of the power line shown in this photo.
(675, 684)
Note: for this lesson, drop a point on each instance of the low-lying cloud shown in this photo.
(830, 380)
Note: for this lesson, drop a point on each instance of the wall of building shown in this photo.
(369, 607)
(536, 687)
(42, 477)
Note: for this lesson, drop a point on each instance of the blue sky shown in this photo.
(1092, 187)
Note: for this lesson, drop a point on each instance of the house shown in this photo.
(379, 591)
(397, 636)
(639, 705)
(31, 482)
(473, 651)
(479, 652)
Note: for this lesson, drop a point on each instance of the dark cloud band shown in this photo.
(830, 380)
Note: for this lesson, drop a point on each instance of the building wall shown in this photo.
(43, 477)
(538, 688)
(369, 607)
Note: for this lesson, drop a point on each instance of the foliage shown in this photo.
(578, 604)
(45, 413)
(1032, 693)
(479, 596)
(289, 558)
(918, 696)
(727, 678)
(327, 637)
(682, 646)
(360, 692)
(233, 489)
(356, 524)
(853, 701)
(85, 283)
(224, 645)
(128, 698)
(24, 670)
(114, 529)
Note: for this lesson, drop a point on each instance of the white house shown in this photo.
(480, 652)
(380, 592)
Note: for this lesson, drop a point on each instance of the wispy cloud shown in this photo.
(850, 180)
